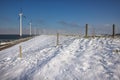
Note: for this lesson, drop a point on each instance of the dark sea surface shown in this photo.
(7, 37)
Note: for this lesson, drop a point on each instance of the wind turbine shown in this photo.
(21, 15)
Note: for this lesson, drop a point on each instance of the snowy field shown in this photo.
(74, 59)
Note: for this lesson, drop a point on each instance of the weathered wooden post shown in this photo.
(20, 49)
(86, 30)
(57, 42)
(113, 31)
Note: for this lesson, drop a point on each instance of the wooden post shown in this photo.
(57, 42)
(113, 31)
(20, 48)
(86, 30)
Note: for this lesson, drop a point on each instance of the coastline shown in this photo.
(4, 45)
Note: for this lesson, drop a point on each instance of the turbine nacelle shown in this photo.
(20, 14)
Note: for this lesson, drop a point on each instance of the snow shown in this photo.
(74, 59)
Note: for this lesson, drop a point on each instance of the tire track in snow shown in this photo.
(40, 63)
(53, 52)
(64, 57)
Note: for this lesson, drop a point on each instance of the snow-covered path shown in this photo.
(73, 59)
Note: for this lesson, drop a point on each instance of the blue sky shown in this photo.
(53, 15)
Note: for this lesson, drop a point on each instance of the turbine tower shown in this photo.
(20, 14)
